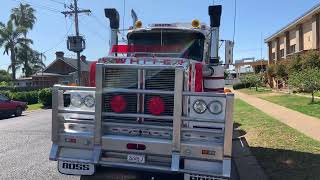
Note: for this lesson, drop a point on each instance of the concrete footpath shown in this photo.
(307, 125)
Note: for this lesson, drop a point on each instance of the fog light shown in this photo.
(200, 106)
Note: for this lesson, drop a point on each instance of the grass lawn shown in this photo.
(34, 107)
(253, 91)
(282, 152)
(297, 103)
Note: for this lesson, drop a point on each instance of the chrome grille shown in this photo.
(161, 79)
(131, 102)
(121, 78)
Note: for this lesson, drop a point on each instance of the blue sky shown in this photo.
(254, 17)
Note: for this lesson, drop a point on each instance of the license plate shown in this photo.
(74, 168)
(136, 158)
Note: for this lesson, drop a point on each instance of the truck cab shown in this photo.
(158, 105)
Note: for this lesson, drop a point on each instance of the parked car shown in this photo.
(9, 107)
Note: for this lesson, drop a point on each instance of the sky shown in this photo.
(255, 21)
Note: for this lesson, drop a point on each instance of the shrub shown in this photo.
(30, 97)
(45, 97)
(241, 86)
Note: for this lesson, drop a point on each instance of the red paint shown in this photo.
(118, 104)
(156, 106)
(136, 146)
(198, 78)
(92, 77)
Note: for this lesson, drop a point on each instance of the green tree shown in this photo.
(29, 60)
(253, 79)
(10, 39)
(23, 16)
(4, 76)
(307, 80)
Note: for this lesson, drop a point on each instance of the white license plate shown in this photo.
(136, 158)
(74, 168)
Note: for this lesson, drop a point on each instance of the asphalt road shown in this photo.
(25, 146)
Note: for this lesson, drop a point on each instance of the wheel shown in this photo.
(18, 111)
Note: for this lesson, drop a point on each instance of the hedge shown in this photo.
(241, 86)
(45, 97)
(31, 97)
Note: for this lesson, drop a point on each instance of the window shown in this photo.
(273, 56)
(65, 82)
(281, 53)
(3, 98)
(292, 49)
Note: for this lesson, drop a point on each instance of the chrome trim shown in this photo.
(77, 88)
(178, 89)
(98, 104)
(228, 126)
(175, 162)
(76, 160)
(137, 115)
(96, 154)
(66, 110)
(54, 152)
(206, 94)
(135, 166)
(226, 167)
(56, 105)
(136, 91)
(202, 120)
(139, 66)
(79, 121)
(137, 126)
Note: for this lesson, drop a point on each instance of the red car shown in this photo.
(9, 107)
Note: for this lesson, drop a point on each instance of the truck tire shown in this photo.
(18, 111)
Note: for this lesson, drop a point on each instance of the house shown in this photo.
(62, 70)
(23, 82)
(301, 35)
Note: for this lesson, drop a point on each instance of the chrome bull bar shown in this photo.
(177, 117)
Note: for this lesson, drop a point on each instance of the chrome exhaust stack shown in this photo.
(113, 15)
(215, 18)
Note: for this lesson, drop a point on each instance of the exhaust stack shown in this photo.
(113, 15)
(215, 18)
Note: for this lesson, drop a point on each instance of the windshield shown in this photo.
(168, 43)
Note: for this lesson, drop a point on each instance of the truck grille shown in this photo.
(160, 80)
(121, 78)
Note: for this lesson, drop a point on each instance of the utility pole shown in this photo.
(76, 43)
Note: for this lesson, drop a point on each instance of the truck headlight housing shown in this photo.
(76, 100)
(200, 106)
(215, 107)
(89, 101)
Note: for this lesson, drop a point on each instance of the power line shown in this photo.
(60, 42)
(58, 2)
(38, 5)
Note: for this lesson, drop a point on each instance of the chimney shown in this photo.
(59, 55)
(83, 58)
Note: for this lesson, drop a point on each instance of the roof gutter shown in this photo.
(294, 23)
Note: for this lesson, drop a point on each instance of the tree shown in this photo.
(10, 38)
(307, 80)
(29, 60)
(4, 76)
(23, 16)
(253, 79)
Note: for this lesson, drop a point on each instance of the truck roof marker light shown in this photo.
(118, 104)
(195, 23)
(198, 77)
(138, 24)
(156, 106)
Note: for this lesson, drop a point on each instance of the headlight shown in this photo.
(200, 106)
(89, 101)
(215, 107)
(76, 100)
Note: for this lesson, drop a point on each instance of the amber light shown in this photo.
(156, 106)
(118, 104)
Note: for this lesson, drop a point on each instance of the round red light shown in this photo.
(156, 106)
(118, 104)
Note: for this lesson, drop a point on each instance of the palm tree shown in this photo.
(10, 39)
(23, 16)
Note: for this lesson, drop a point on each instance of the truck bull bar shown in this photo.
(95, 149)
